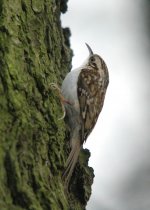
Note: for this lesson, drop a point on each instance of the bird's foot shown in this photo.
(62, 99)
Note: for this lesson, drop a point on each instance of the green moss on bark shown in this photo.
(34, 51)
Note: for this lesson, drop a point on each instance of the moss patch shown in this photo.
(34, 51)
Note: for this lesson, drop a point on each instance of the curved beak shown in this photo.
(90, 50)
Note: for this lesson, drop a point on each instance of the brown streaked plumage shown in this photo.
(85, 89)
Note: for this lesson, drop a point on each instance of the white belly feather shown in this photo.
(69, 88)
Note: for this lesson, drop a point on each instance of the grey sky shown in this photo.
(120, 142)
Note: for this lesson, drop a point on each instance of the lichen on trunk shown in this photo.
(35, 51)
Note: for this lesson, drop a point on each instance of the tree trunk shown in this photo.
(35, 51)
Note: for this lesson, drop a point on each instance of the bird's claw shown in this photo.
(62, 99)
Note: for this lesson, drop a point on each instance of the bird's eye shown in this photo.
(92, 59)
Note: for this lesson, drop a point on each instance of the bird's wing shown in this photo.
(91, 96)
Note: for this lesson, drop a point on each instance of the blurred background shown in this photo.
(119, 31)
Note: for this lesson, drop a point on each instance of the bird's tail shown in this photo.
(71, 161)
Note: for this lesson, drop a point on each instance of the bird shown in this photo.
(82, 93)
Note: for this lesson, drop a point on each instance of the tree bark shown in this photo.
(35, 51)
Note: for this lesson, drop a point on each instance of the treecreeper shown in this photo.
(82, 96)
